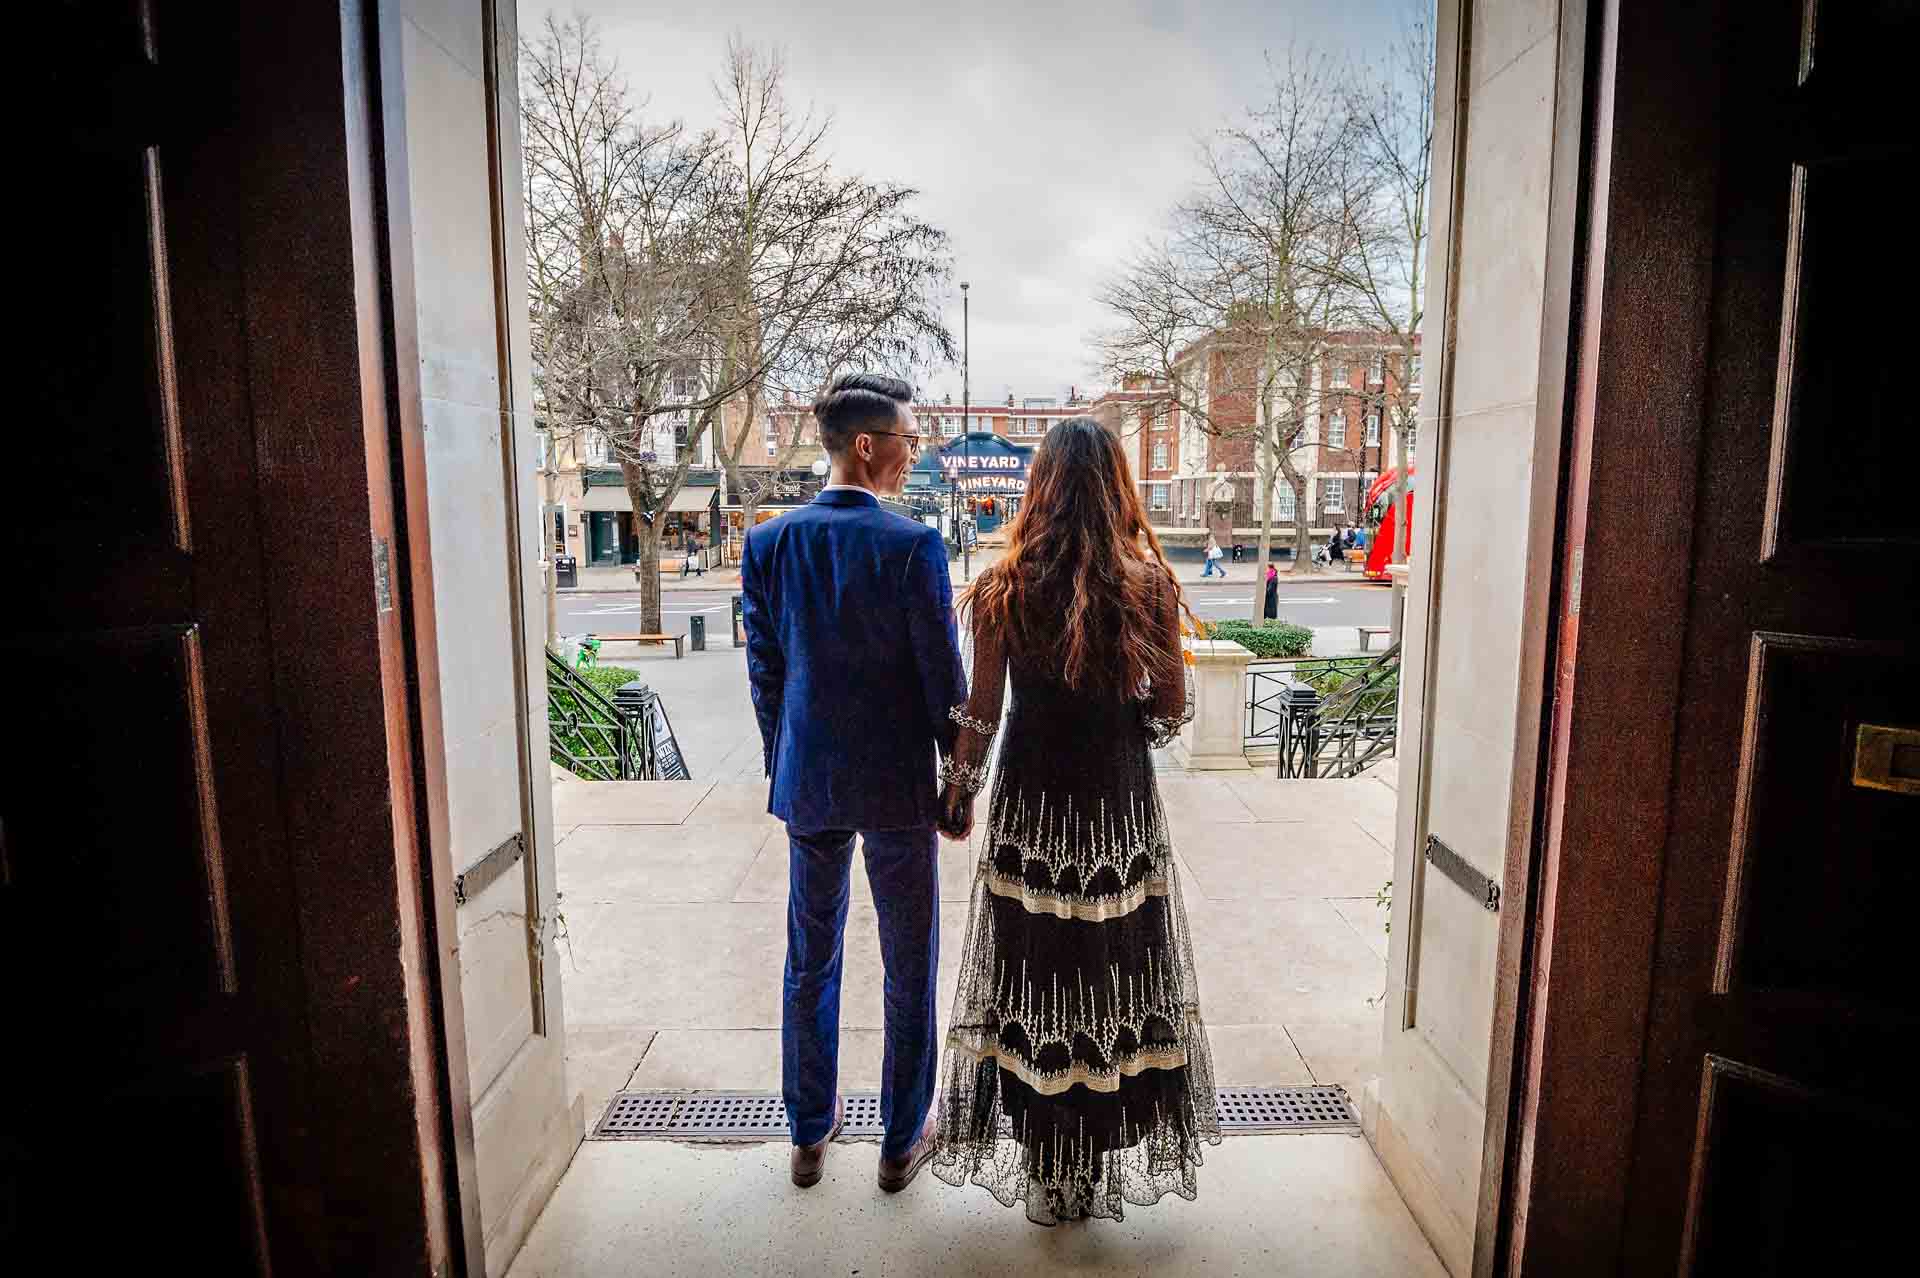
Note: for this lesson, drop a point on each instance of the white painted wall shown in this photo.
(1477, 595)
(526, 1124)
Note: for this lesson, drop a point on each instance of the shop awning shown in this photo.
(689, 500)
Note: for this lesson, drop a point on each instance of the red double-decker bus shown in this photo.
(1380, 511)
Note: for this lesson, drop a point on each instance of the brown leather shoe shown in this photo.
(897, 1173)
(808, 1159)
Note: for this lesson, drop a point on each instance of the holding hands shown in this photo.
(956, 813)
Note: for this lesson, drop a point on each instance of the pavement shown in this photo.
(673, 908)
(1284, 1206)
(673, 897)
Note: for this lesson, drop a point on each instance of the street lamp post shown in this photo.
(966, 427)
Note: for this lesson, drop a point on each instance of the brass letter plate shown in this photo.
(1887, 759)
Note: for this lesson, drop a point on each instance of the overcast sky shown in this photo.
(1047, 137)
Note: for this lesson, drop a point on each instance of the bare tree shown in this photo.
(635, 349)
(1236, 307)
(676, 278)
(1386, 195)
(838, 270)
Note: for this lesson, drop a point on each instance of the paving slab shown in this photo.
(656, 863)
(1273, 1206)
(627, 802)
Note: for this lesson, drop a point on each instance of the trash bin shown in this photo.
(697, 632)
(566, 571)
(739, 623)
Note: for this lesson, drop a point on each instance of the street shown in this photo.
(1306, 603)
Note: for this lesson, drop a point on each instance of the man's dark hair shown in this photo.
(857, 402)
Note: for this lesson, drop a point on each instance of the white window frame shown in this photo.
(1340, 374)
(1373, 429)
(1333, 497)
(597, 447)
(1337, 429)
(1162, 455)
(1157, 497)
(1284, 503)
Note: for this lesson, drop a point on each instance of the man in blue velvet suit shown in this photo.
(855, 669)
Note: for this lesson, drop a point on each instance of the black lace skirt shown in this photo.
(1078, 1077)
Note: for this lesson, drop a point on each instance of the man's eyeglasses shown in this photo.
(912, 438)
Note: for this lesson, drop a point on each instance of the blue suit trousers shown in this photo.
(903, 871)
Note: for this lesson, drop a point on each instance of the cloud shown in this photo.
(1046, 136)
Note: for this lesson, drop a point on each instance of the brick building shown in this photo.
(1193, 479)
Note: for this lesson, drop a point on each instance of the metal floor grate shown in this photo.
(1321, 1108)
(762, 1116)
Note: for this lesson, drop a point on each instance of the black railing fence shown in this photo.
(590, 736)
(1327, 716)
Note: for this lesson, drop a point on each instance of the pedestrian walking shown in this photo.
(1272, 608)
(1335, 552)
(1212, 567)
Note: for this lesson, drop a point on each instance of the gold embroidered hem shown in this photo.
(1088, 909)
(1052, 1084)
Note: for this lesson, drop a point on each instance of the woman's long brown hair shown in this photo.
(1066, 591)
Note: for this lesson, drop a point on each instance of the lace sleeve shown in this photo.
(1169, 695)
(979, 717)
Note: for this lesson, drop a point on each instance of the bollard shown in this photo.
(739, 622)
(697, 632)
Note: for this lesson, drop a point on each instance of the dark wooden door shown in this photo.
(145, 898)
(175, 1088)
(1777, 1104)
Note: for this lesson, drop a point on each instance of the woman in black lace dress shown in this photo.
(1078, 1077)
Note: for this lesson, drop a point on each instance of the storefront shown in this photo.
(611, 532)
(989, 473)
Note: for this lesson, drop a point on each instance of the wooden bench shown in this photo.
(678, 641)
(1368, 632)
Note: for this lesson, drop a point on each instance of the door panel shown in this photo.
(142, 882)
(161, 1095)
(1774, 1105)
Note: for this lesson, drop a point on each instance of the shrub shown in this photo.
(607, 680)
(1267, 640)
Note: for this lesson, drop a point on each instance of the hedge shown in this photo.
(1267, 640)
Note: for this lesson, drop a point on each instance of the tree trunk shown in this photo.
(1302, 528)
(648, 569)
(553, 601)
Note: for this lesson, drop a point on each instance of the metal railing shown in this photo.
(1325, 716)
(590, 736)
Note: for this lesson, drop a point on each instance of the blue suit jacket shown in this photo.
(854, 663)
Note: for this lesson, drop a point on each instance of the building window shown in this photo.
(1157, 496)
(597, 449)
(1413, 372)
(1284, 506)
(1373, 430)
(1379, 374)
(950, 427)
(1333, 497)
(1342, 374)
(1160, 454)
(1336, 430)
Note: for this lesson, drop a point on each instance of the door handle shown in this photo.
(1887, 758)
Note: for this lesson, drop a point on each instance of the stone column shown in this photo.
(1214, 741)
